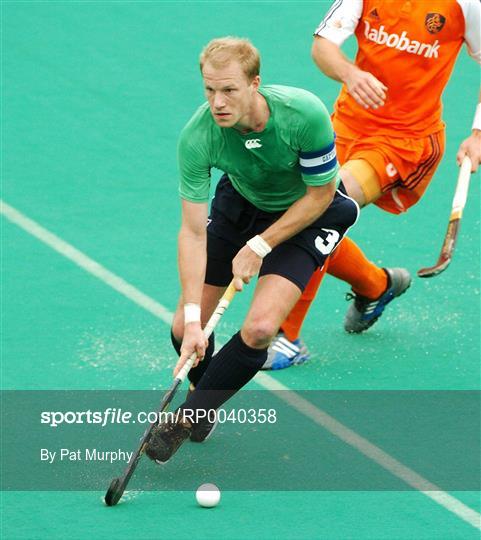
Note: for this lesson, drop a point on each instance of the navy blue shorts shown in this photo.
(233, 220)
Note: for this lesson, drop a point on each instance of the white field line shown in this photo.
(330, 424)
(85, 262)
(371, 451)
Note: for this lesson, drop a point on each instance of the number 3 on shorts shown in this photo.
(326, 245)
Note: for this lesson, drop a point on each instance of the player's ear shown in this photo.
(256, 82)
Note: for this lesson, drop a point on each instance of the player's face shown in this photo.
(230, 94)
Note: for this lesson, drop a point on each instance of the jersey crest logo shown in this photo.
(252, 143)
(434, 22)
(374, 14)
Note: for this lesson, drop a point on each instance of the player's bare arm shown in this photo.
(302, 213)
(192, 247)
(471, 146)
(363, 86)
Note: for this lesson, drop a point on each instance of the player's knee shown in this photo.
(258, 332)
(361, 181)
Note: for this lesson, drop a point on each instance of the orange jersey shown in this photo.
(411, 46)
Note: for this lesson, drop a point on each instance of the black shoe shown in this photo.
(166, 439)
(201, 432)
(364, 312)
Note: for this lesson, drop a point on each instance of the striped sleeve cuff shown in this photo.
(319, 162)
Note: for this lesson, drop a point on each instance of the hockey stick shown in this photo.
(118, 485)
(459, 200)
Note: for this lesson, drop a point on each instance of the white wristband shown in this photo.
(259, 246)
(477, 118)
(191, 313)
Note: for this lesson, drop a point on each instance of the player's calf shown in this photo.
(203, 430)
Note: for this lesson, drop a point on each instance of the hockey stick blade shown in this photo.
(449, 243)
(446, 251)
(118, 485)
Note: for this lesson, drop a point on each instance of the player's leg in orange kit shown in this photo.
(363, 179)
(373, 287)
(368, 178)
(348, 262)
(374, 179)
(291, 327)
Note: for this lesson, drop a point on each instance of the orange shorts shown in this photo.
(404, 166)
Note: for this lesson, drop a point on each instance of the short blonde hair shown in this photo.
(220, 51)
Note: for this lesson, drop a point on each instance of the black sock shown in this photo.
(229, 370)
(196, 373)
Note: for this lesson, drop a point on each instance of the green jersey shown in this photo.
(271, 168)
